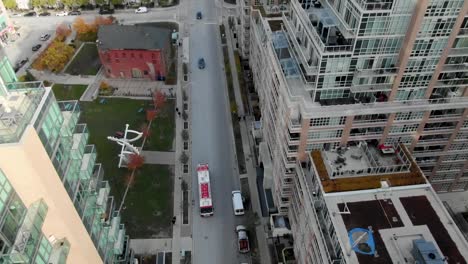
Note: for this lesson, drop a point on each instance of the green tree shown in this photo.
(116, 2)
(10, 4)
(71, 3)
(37, 3)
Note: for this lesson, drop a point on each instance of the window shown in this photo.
(145, 72)
(124, 55)
(132, 55)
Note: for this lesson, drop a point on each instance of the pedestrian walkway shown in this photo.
(62, 78)
(159, 157)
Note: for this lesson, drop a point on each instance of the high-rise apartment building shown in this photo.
(333, 73)
(351, 205)
(54, 205)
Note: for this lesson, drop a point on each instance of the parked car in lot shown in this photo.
(74, 13)
(44, 14)
(45, 37)
(30, 14)
(199, 15)
(105, 10)
(201, 63)
(36, 47)
(20, 64)
(62, 13)
(141, 9)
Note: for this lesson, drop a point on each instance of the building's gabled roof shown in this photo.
(132, 37)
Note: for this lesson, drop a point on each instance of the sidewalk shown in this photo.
(249, 161)
(62, 77)
(159, 157)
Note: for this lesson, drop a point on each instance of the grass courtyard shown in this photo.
(148, 207)
(65, 92)
(86, 62)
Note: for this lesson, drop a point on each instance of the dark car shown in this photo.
(44, 14)
(105, 10)
(199, 15)
(74, 13)
(36, 47)
(201, 63)
(20, 64)
(30, 14)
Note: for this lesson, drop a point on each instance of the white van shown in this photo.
(237, 203)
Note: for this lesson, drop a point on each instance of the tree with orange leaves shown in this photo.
(151, 115)
(159, 99)
(146, 130)
(62, 31)
(135, 161)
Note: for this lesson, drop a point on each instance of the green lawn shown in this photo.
(86, 62)
(149, 202)
(68, 92)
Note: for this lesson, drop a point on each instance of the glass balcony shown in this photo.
(29, 233)
(71, 114)
(80, 138)
(88, 161)
(60, 251)
(115, 225)
(103, 194)
(17, 108)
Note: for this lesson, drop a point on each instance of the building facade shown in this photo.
(371, 208)
(123, 57)
(332, 73)
(54, 204)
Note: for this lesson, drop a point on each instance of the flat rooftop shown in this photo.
(398, 219)
(365, 167)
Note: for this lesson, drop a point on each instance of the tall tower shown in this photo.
(333, 73)
(56, 206)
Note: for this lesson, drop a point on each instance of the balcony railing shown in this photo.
(88, 161)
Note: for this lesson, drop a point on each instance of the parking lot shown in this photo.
(22, 47)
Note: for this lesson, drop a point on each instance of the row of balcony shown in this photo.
(90, 194)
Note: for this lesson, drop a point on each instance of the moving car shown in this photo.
(36, 47)
(30, 14)
(141, 9)
(45, 37)
(74, 13)
(62, 13)
(201, 63)
(199, 15)
(20, 64)
(242, 239)
(44, 14)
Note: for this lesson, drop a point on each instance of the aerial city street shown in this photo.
(234, 131)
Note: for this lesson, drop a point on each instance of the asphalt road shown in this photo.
(214, 239)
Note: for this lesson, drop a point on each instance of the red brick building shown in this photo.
(134, 51)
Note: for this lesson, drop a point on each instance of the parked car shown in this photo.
(44, 14)
(74, 13)
(20, 64)
(104, 10)
(199, 15)
(36, 47)
(141, 9)
(62, 13)
(45, 37)
(242, 239)
(30, 14)
(201, 63)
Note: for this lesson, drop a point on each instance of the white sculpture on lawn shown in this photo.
(127, 148)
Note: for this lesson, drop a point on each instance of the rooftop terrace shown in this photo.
(365, 167)
(17, 108)
(407, 225)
